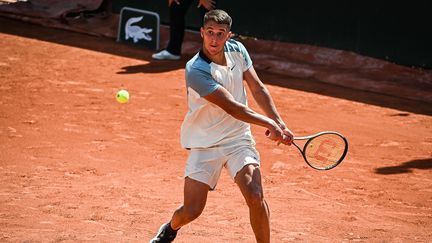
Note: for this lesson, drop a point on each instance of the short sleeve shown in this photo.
(201, 81)
(247, 60)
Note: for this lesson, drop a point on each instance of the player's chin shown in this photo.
(213, 50)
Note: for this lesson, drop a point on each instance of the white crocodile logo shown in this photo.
(135, 32)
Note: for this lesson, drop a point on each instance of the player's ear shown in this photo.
(202, 32)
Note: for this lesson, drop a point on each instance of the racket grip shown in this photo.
(267, 133)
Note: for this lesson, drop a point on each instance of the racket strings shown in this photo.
(325, 151)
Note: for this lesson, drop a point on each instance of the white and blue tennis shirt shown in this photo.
(205, 124)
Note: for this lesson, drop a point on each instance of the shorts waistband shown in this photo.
(246, 142)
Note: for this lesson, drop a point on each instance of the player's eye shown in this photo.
(217, 35)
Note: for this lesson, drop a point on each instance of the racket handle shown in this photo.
(267, 133)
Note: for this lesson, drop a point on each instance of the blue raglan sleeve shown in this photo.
(201, 81)
(247, 60)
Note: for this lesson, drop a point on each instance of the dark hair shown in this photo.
(218, 16)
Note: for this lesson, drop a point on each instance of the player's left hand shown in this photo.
(288, 135)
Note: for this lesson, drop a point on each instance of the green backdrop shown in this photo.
(399, 32)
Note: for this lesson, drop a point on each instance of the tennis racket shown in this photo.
(324, 150)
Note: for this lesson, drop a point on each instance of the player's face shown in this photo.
(214, 37)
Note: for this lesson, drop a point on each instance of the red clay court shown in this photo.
(76, 166)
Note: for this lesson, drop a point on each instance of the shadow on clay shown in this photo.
(406, 167)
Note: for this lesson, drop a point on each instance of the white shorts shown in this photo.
(205, 165)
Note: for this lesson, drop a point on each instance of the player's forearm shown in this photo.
(222, 98)
(248, 115)
(261, 95)
(265, 102)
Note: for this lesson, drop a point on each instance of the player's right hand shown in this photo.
(276, 135)
(280, 135)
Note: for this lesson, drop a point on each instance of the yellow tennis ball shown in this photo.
(122, 96)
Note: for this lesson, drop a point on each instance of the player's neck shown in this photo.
(218, 58)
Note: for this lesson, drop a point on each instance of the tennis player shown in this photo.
(216, 129)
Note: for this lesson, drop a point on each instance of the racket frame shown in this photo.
(310, 138)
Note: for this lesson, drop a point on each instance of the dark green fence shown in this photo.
(399, 32)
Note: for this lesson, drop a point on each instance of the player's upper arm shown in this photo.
(249, 73)
(253, 81)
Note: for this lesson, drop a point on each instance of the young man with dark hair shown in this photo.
(216, 129)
